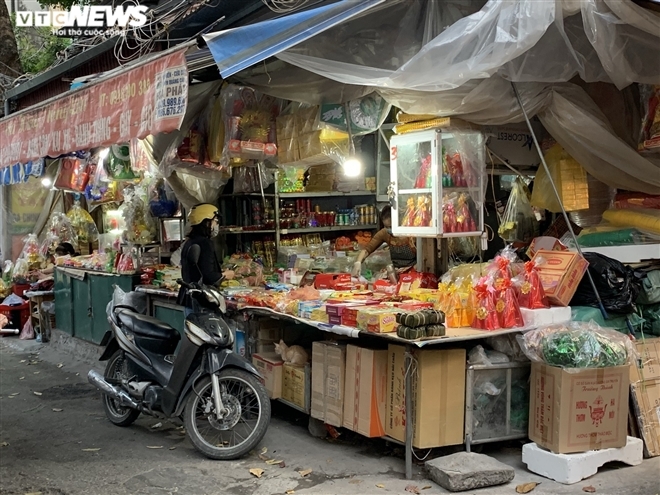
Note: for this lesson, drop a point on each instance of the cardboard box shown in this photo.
(267, 329)
(270, 367)
(578, 410)
(377, 319)
(295, 385)
(264, 346)
(328, 369)
(365, 391)
(645, 394)
(560, 274)
(438, 394)
(546, 243)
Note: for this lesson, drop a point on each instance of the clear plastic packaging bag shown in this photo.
(650, 131)
(249, 124)
(578, 345)
(518, 223)
(82, 223)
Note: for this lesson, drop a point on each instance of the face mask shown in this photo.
(215, 230)
(389, 230)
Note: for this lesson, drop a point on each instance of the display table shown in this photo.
(81, 297)
(453, 335)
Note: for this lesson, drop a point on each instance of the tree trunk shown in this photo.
(10, 64)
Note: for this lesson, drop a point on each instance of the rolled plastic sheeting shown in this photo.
(643, 219)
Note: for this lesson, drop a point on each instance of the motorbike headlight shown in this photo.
(220, 331)
(196, 334)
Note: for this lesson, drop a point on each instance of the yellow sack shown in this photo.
(644, 219)
(569, 178)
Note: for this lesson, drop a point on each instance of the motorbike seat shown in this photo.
(147, 326)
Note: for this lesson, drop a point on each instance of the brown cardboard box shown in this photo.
(295, 385)
(270, 366)
(579, 410)
(328, 369)
(365, 391)
(438, 396)
(645, 393)
(560, 274)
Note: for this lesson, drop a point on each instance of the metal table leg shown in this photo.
(409, 411)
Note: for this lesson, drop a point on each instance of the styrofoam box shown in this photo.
(571, 468)
(534, 318)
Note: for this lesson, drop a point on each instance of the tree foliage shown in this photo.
(38, 48)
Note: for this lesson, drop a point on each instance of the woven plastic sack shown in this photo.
(650, 293)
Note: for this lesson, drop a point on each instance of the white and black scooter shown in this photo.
(225, 407)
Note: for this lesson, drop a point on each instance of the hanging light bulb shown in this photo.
(352, 167)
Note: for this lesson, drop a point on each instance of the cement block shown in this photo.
(468, 471)
(571, 468)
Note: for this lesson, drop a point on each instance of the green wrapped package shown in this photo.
(582, 349)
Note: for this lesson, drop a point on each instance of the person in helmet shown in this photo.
(203, 219)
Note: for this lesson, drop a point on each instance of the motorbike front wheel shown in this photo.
(244, 423)
(117, 414)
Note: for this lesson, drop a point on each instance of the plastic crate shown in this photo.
(17, 315)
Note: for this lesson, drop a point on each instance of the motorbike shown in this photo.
(224, 405)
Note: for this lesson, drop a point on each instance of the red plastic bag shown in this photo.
(530, 289)
(508, 309)
(485, 317)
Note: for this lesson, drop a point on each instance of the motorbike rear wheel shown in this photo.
(244, 424)
(116, 413)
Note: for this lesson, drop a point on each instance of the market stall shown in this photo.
(353, 234)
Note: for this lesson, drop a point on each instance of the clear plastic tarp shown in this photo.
(457, 58)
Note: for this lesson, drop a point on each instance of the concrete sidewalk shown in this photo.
(49, 437)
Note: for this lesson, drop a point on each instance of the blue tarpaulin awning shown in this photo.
(239, 48)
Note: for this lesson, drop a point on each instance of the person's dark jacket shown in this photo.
(207, 269)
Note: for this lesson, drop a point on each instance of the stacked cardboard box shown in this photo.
(266, 333)
(321, 178)
(574, 411)
(645, 394)
(328, 371)
(270, 367)
(438, 395)
(296, 385)
(365, 391)
(299, 137)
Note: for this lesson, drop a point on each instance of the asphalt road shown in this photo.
(54, 439)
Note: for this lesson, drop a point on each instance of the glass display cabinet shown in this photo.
(437, 183)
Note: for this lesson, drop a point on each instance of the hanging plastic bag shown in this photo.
(518, 223)
(250, 124)
(118, 163)
(140, 227)
(163, 202)
(650, 131)
(82, 224)
(73, 174)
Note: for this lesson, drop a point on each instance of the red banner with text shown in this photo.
(148, 99)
